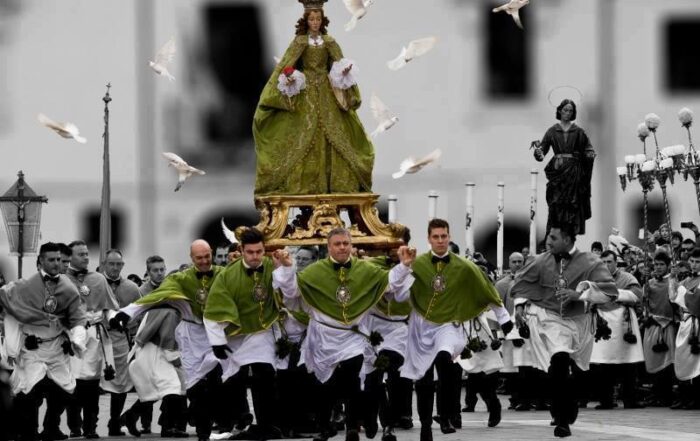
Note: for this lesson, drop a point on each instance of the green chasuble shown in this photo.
(365, 284)
(389, 307)
(183, 285)
(467, 290)
(310, 143)
(246, 303)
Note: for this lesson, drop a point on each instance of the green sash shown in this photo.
(182, 285)
(468, 291)
(365, 283)
(235, 301)
(389, 307)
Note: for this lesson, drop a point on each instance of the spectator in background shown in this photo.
(676, 241)
(220, 254)
(597, 248)
(686, 248)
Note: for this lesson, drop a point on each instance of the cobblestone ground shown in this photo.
(618, 424)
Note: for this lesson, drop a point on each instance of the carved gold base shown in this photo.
(321, 213)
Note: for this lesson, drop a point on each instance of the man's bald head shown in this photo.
(515, 262)
(200, 253)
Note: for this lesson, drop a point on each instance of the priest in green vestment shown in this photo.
(448, 290)
(338, 292)
(241, 319)
(187, 291)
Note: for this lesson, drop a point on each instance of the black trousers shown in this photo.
(565, 393)
(173, 412)
(391, 402)
(116, 406)
(205, 399)
(608, 375)
(27, 409)
(297, 389)
(7, 428)
(484, 385)
(235, 389)
(344, 385)
(662, 384)
(83, 409)
(263, 389)
(448, 390)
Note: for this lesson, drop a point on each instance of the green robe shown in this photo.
(182, 285)
(308, 144)
(319, 282)
(467, 294)
(389, 307)
(231, 299)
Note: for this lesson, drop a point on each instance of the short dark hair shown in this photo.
(222, 245)
(65, 249)
(135, 278)
(695, 254)
(250, 236)
(437, 223)
(454, 248)
(49, 247)
(689, 241)
(596, 246)
(561, 106)
(337, 231)
(661, 256)
(607, 253)
(566, 229)
(406, 237)
(677, 235)
(153, 259)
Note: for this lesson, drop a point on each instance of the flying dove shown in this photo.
(65, 129)
(410, 165)
(163, 58)
(228, 234)
(381, 113)
(184, 170)
(512, 8)
(415, 48)
(358, 9)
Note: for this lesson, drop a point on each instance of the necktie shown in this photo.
(48, 278)
(337, 266)
(560, 256)
(259, 269)
(444, 259)
(201, 274)
(115, 282)
(78, 272)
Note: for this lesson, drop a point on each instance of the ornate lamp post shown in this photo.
(21, 211)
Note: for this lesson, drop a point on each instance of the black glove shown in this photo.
(68, 348)
(31, 343)
(507, 327)
(518, 342)
(220, 351)
(119, 321)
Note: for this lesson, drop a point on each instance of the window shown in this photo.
(91, 228)
(682, 66)
(507, 55)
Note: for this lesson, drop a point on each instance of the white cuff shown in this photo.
(340, 80)
(502, 315)
(216, 332)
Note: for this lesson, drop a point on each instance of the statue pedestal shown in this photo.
(321, 213)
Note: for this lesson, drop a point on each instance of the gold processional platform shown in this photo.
(321, 213)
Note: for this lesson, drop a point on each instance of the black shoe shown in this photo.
(541, 405)
(426, 433)
(352, 435)
(129, 420)
(446, 426)
(146, 430)
(371, 429)
(245, 421)
(468, 409)
(76, 433)
(405, 423)
(202, 438)
(634, 405)
(494, 413)
(583, 404)
(52, 435)
(116, 432)
(323, 436)
(562, 431)
(388, 434)
(680, 404)
(173, 433)
(523, 407)
(91, 435)
(457, 421)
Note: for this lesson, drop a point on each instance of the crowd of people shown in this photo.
(327, 340)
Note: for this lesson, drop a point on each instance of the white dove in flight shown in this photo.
(184, 170)
(385, 120)
(228, 234)
(358, 9)
(415, 48)
(410, 165)
(65, 129)
(512, 8)
(163, 58)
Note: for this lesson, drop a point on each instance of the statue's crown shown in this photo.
(313, 4)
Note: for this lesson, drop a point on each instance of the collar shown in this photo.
(246, 266)
(442, 255)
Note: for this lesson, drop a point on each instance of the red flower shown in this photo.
(289, 70)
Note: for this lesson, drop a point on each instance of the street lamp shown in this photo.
(21, 211)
